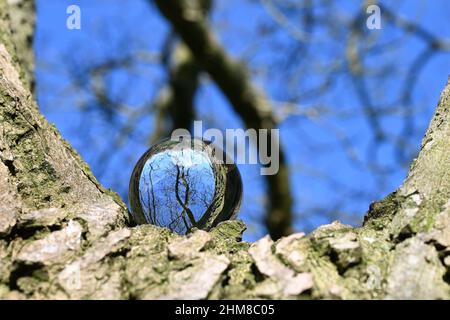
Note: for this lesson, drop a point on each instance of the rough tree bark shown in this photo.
(62, 235)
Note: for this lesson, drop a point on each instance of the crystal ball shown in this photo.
(184, 184)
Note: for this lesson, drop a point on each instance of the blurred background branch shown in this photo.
(351, 103)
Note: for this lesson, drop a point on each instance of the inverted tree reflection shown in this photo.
(176, 189)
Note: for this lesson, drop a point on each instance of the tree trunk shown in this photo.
(62, 235)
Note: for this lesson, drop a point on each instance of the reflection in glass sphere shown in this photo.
(184, 184)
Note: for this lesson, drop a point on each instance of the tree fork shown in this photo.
(63, 236)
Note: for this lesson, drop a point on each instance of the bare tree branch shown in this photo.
(246, 100)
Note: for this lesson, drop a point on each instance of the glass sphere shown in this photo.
(184, 184)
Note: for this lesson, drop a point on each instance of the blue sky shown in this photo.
(323, 173)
